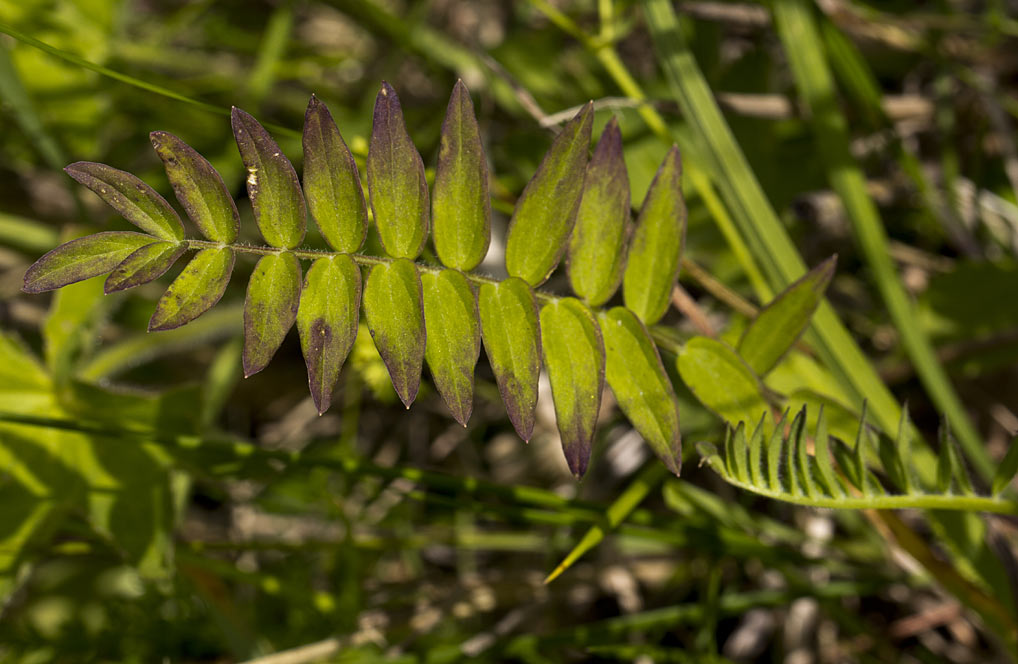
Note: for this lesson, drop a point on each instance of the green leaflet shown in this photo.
(147, 263)
(133, 199)
(596, 246)
(396, 184)
(272, 184)
(653, 262)
(461, 207)
(331, 181)
(395, 317)
(82, 259)
(512, 339)
(1007, 469)
(270, 308)
(327, 322)
(780, 324)
(199, 188)
(640, 384)
(454, 338)
(722, 381)
(546, 210)
(574, 354)
(195, 290)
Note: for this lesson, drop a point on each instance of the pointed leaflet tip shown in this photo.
(81, 259)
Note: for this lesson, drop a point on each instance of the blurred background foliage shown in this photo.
(156, 507)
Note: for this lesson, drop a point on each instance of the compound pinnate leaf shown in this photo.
(546, 210)
(511, 332)
(133, 199)
(454, 338)
(82, 259)
(147, 263)
(596, 246)
(394, 312)
(461, 208)
(574, 354)
(653, 262)
(195, 290)
(270, 308)
(784, 319)
(640, 385)
(199, 188)
(721, 380)
(331, 182)
(396, 184)
(272, 184)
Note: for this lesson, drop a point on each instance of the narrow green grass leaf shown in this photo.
(859, 458)
(461, 207)
(270, 308)
(737, 452)
(454, 338)
(82, 259)
(147, 263)
(394, 311)
(774, 447)
(199, 188)
(511, 332)
(596, 256)
(195, 290)
(546, 210)
(780, 324)
(574, 355)
(396, 184)
(822, 452)
(332, 183)
(804, 468)
(327, 321)
(272, 184)
(641, 387)
(721, 380)
(656, 249)
(1007, 469)
(755, 445)
(133, 199)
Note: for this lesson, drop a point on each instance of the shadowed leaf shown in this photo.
(82, 259)
(395, 316)
(272, 184)
(270, 308)
(653, 262)
(332, 184)
(396, 184)
(1007, 469)
(147, 263)
(721, 380)
(461, 208)
(602, 223)
(454, 338)
(199, 188)
(133, 199)
(327, 322)
(546, 211)
(512, 341)
(195, 290)
(574, 354)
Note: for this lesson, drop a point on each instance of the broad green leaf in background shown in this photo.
(199, 188)
(574, 354)
(195, 290)
(270, 308)
(510, 329)
(394, 312)
(596, 247)
(780, 324)
(722, 381)
(454, 338)
(461, 207)
(656, 249)
(147, 263)
(327, 322)
(546, 210)
(82, 259)
(396, 184)
(332, 183)
(133, 199)
(272, 185)
(641, 387)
